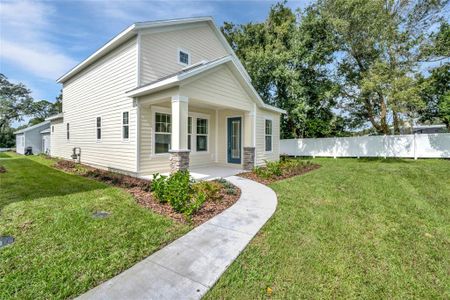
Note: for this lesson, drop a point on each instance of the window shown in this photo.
(202, 134)
(184, 57)
(163, 129)
(67, 132)
(99, 128)
(189, 132)
(53, 128)
(268, 135)
(125, 125)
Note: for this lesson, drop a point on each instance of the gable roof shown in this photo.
(133, 30)
(177, 78)
(32, 127)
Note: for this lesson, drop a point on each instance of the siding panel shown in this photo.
(99, 91)
(159, 51)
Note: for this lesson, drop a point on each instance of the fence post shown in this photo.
(334, 148)
(384, 146)
(415, 146)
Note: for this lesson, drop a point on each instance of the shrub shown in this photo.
(211, 189)
(177, 190)
(274, 168)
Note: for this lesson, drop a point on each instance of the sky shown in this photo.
(42, 40)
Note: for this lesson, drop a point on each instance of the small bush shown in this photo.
(177, 190)
(274, 168)
(211, 189)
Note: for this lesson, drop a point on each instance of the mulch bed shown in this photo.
(140, 189)
(266, 181)
(209, 209)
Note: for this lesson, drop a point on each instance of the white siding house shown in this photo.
(31, 137)
(163, 96)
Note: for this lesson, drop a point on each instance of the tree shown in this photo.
(436, 95)
(378, 57)
(287, 61)
(41, 110)
(15, 102)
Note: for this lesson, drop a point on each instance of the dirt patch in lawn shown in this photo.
(287, 174)
(141, 191)
(2, 169)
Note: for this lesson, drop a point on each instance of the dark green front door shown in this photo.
(234, 138)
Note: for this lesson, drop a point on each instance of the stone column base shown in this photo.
(249, 158)
(179, 160)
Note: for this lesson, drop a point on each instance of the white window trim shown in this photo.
(271, 135)
(122, 126)
(194, 115)
(178, 57)
(162, 110)
(96, 128)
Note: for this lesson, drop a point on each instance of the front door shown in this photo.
(234, 140)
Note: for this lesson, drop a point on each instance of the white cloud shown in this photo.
(25, 39)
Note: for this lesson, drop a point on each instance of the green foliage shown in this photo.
(284, 166)
(177, 190)
(287, 60)
(436, 95)
(210, 189)
(379, 62)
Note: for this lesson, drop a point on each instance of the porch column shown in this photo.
(179, 153)
(249, 139)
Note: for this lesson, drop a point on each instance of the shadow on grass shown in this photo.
(385, 160)
(26, 179)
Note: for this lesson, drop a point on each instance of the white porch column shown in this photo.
(179, 159)
(249, 139)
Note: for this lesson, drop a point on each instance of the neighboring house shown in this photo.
(162, 96)
(32, 137)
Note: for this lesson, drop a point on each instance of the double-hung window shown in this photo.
(67, 131)
(189, 143)
(99, 128)
(268, 135)
(163, 130)
(202, 135)
(125, 125)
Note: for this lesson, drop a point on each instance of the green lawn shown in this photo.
(60, 250)
(351, 229)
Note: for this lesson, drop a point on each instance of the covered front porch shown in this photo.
(179, 132)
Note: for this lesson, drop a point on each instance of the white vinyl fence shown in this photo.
(412, 145)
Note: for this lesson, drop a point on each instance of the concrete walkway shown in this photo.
(189, 267)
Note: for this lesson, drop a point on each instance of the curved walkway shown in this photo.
(189, 267)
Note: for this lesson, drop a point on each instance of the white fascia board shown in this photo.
(230, 50)
(55, 117)
(153, 87)
(152, 24)
(124, 35)
(32, 127)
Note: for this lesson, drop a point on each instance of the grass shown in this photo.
(60, 250)
(351, 229)
(5, 154)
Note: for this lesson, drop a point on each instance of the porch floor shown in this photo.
(209, 172)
